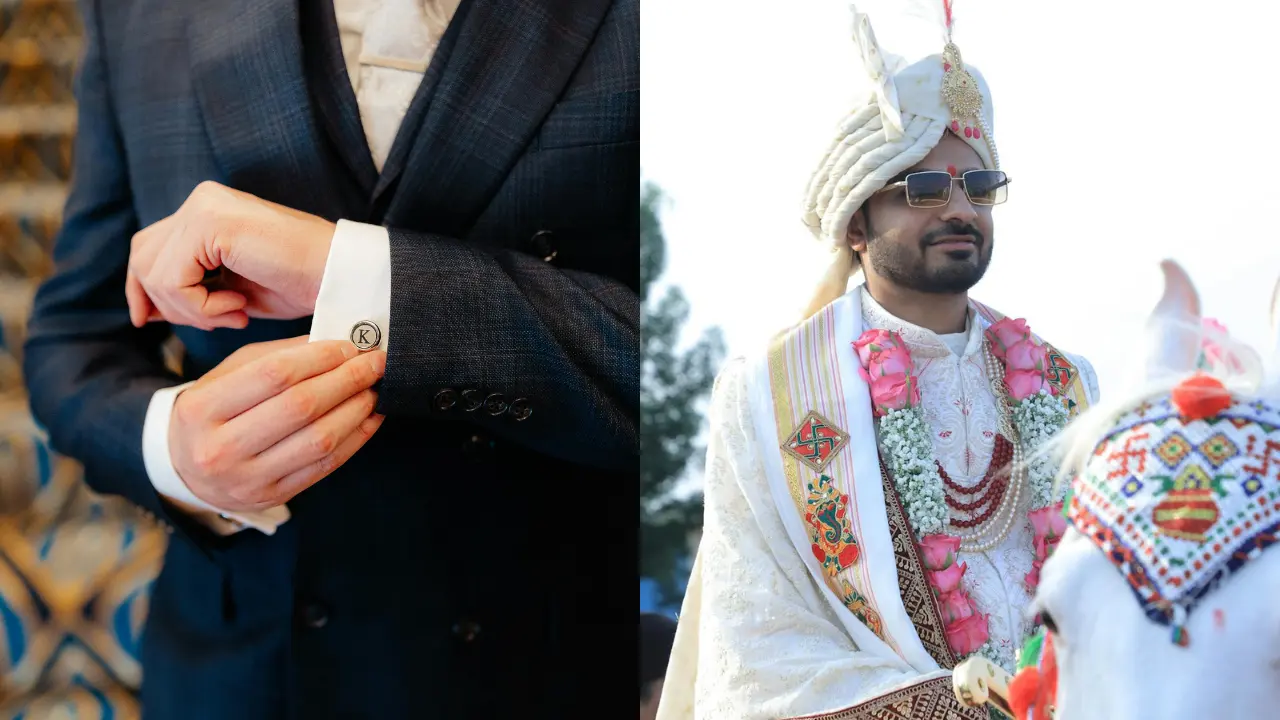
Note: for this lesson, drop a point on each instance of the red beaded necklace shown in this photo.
(987, 493)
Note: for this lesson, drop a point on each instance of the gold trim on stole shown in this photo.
(811, 490)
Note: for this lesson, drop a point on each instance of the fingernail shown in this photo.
(349, 351)
(378, 361)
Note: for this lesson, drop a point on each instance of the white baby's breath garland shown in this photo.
(908, 448)
(1038, 419)
(904, 435)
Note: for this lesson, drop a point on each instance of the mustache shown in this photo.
(953, 228)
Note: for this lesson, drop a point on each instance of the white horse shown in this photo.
(1162, 600)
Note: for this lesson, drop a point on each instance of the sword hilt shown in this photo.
(978, 682)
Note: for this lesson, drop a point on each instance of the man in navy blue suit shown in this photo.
(398, 243)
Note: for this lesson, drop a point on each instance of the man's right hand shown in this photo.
(273, 419)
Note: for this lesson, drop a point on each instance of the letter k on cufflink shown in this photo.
(365, 335)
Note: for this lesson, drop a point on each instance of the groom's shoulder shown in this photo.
(1067, 365)
(1072, 364)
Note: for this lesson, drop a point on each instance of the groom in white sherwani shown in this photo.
(875, 510)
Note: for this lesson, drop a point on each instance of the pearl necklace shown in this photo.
(997, 528)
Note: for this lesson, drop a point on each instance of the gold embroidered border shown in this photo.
(917, 596)
(930, 700)
(779, 383)
(784, 361)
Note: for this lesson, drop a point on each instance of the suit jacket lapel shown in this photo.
(507, 63)
(247, 70)
(410, 126)
(331, 87)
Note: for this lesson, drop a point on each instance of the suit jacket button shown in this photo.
(466, 630)
(495, 404)
(446, 399)
(315, 616)
(471, 400)
(542, 245)
(520, 409)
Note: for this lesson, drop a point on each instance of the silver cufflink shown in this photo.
(365, 335)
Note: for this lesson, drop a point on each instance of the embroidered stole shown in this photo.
(839, 505)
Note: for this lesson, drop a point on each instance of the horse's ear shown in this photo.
(1175, 323)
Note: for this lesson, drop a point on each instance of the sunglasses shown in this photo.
(932, 188)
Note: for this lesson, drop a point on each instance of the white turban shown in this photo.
(901, 121)
(918, 93)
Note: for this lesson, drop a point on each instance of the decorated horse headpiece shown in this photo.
(1183, 494)
(1182, 489)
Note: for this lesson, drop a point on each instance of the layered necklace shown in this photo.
(982, 515)
(946, 517)
(1000, 490)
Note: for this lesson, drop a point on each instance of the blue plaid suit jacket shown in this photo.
(460, 565)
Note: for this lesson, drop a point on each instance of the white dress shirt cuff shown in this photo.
(355, 291)
(159, 464)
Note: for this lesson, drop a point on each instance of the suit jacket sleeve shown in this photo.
(90, 374)
(559, 347)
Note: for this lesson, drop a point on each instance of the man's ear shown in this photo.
(856, 233)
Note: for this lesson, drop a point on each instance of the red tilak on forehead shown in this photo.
(952, 170)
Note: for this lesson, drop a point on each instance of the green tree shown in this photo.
(674, 383)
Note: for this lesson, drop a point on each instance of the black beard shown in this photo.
(906, 268)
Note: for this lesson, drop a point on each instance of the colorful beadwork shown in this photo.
(827, 515)
(1179, 504)
(816, 442)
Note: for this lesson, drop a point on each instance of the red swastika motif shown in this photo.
(815, 442)
(1120, 458)
(1268, 455)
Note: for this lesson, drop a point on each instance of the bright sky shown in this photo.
(1131, 131)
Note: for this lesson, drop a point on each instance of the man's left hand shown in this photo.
(272, 260)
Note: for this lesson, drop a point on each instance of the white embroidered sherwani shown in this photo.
(768, 630)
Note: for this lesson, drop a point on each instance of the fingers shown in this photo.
(303, 478)
(251, 352)
(223, 302)
(269, 376)
(305, 403)
(140, 307)
(165, 282)
(196, 306)
(220, 308)
(319, 448)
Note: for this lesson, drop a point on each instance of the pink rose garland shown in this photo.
(886, 366)
(966, 630)
(1047, 524)
(1025, 362)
